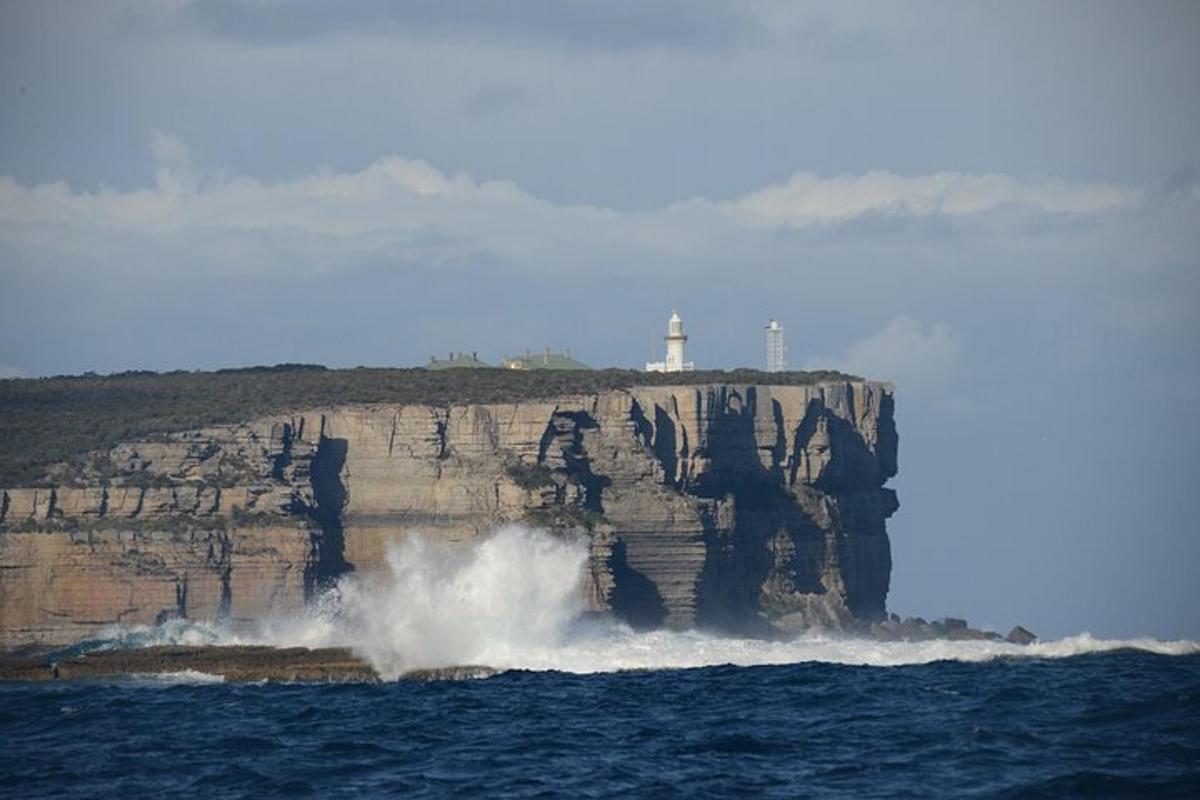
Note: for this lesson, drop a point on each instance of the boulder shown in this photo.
(1019, 635)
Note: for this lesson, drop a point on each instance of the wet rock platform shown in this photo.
(235, 664)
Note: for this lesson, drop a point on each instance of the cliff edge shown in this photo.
(743, 507)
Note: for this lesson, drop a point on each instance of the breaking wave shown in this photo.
(513, 593)
(512, 601)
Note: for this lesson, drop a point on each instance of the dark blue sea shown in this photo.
(1115, 724)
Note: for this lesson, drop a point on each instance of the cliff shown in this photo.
(743, 507)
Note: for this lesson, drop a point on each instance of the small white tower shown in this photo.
(676, 339)
(776, 355)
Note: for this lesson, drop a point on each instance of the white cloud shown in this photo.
(918, 358)
(806, 199)
(392, 194)
(400, 206)
(169, 151)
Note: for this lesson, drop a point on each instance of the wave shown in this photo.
(187, 677)
(512, 601)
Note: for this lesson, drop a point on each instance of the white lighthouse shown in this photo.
(776, 355)
(676, 339)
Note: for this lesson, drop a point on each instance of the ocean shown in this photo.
(1122, 723)
(587, 707)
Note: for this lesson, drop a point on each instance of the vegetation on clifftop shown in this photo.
(49, 420)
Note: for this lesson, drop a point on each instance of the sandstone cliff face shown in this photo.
(744, 507)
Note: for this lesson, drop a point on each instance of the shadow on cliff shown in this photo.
(853, 476)
(566, 430)
(851, 462)
(771, 559)
(635, 598)
(739, 560)
(327, 562)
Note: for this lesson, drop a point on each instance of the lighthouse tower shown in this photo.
(675, 339)
(776, 355)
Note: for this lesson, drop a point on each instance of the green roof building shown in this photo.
(458, 361)
(547, 359)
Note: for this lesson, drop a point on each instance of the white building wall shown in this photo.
(776, 355)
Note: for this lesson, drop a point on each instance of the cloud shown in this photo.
(919, 358)
(407, 206)
(806, 199)
(391, 198)
(169, 151)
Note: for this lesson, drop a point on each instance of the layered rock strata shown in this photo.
(753, 508)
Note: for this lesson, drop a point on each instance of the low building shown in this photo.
(458, 361)
(547, 359)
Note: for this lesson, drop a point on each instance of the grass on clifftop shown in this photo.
(49, 420)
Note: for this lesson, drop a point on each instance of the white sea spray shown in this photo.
(512, 600)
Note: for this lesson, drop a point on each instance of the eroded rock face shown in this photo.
(741, 507)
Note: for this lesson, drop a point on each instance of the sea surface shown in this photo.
(588, 707)
(1110, 723)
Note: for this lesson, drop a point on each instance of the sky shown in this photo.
(994, 205)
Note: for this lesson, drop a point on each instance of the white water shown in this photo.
(511, 601)
(514, 592)
(188, 677)
(171, 632)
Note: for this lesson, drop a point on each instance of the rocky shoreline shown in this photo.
(256, 663)
(235, 664)
(915, 629)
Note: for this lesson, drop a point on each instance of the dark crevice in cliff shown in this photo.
(635, 598)
(737, 561)
(181, 589)
(732, 448)
(887, 442)
(441, 438)
(851, 465)
(328, 561)
(283, 458)
(779, 448)
(665, 446)
(865, 557)
(804, 434)
(219, 558)
(568, 428)
(548, 436)
(642, 427)
(180, 609)
(225, 605)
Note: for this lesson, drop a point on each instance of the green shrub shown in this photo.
(530, 477)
